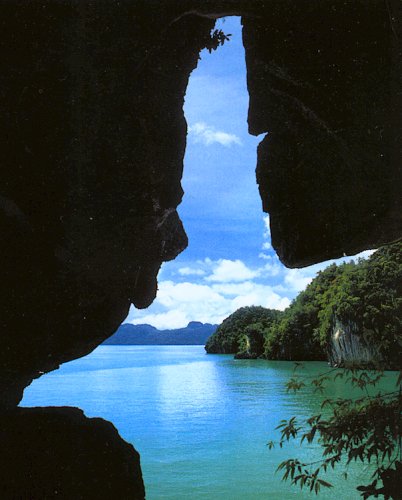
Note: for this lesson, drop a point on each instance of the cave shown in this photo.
(94, 137)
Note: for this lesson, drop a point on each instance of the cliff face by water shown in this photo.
(93, 138)
(348, 346)
(350, 314)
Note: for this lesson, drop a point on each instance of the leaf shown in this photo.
(325, 483)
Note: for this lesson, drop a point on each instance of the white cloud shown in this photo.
(250, 293)
(166, 320)
(270, 300)
(297, 279)
(231, 270)
(178, 303)
(225, 286)
(233, 289)
(266, 245)
(273, 269)
(170, 293)
(188, 271)
(207, 261)
(206, 134)
(267, 232)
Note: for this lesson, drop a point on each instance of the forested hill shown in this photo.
(242, 333)
(195, 333)
(351, 313)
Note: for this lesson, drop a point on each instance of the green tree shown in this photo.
(296, 335)
(229, 337)
(366, 428)
(365, 296)
(251, 342)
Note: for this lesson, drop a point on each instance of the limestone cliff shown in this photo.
(349, 347)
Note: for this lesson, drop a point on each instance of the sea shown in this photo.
(201, 422)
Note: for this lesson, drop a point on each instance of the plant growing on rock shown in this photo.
(366, 294)
(216, 39)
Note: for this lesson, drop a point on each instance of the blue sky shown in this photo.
(229, 262)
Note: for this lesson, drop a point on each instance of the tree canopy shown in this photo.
(366, 294)
(243, 330)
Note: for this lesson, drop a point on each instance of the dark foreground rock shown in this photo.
(323, 80)
(60, 453)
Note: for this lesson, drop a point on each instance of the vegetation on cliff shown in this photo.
(243, 332)
(367, 427)
(366, 294)
(295, 336)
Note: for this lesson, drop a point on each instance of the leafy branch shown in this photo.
(217, 38)
(366, 429)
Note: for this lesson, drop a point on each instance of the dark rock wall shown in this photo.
(323, 79)
(93, 137)
(59, 453)
(93, 143)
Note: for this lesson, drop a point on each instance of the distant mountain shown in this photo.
(195, 333)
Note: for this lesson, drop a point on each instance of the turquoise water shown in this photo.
(200, 422)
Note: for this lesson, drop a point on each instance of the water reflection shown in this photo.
(191, 388)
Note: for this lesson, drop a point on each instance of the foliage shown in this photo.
(215, 39)
(251, 343)
(242, 331)
(366, 294)
(366, 429)
(370, 296)
(295, 337)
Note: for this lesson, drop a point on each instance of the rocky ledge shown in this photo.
(60, 453)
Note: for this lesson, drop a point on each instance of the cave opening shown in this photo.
(93, 139)
(221, 207)
(229, 264)
(135, 389)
